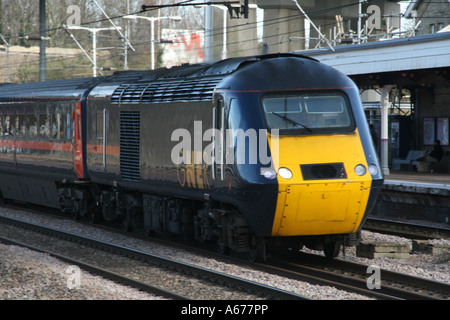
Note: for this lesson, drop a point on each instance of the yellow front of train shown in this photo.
(308, 206)
(324, 178)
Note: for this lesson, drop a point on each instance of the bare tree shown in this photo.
(20, 18)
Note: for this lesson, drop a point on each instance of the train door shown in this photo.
(78, 146)
(218, 160)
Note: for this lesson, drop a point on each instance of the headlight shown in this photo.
(268, 173)
(285, 173)
(360, 170)
(373, 169)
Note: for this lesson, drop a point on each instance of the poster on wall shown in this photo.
(182, 46)
(428, 131)
(395, 134)
(442, 131)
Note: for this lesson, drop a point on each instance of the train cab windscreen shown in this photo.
(308, 113)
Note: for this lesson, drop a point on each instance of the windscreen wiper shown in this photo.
(292, 121)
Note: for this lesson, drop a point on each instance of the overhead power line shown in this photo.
(219, 31)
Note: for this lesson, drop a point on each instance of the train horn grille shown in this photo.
(323, 171)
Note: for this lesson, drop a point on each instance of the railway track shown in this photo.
(44, 240)
(102, 272)
(350, 276)
(335, 273)
(347, 276)
(406, 229)
(354, 277)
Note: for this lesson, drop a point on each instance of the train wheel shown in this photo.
(95, 215)
(2, 200)
(257, 250)
(222, 248)
(128, 221)
(76, 211)
(332, 249)
(149, 232)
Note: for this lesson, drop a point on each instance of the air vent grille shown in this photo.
(167, 90)
(130, 145)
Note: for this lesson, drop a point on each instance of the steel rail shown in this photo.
(167, 263)
(101, 272)
(356, 282)
(406, 229)
(394, 285)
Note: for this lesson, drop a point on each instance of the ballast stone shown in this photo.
(372, 250)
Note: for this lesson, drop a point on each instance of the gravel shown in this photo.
(28, 275)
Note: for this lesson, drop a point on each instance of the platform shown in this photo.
(430, 183)
(415, 195)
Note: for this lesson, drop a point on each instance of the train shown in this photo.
(251, 153)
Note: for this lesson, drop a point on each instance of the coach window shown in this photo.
(54, 127)
(44, 125)
(8, 130)
(61, 125)
(68, 126)
(32, 125)
(20, 125)
(57, 131)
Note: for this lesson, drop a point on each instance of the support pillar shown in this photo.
(285, 36)
(43, 34)
(208, 22)
(384, 103)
